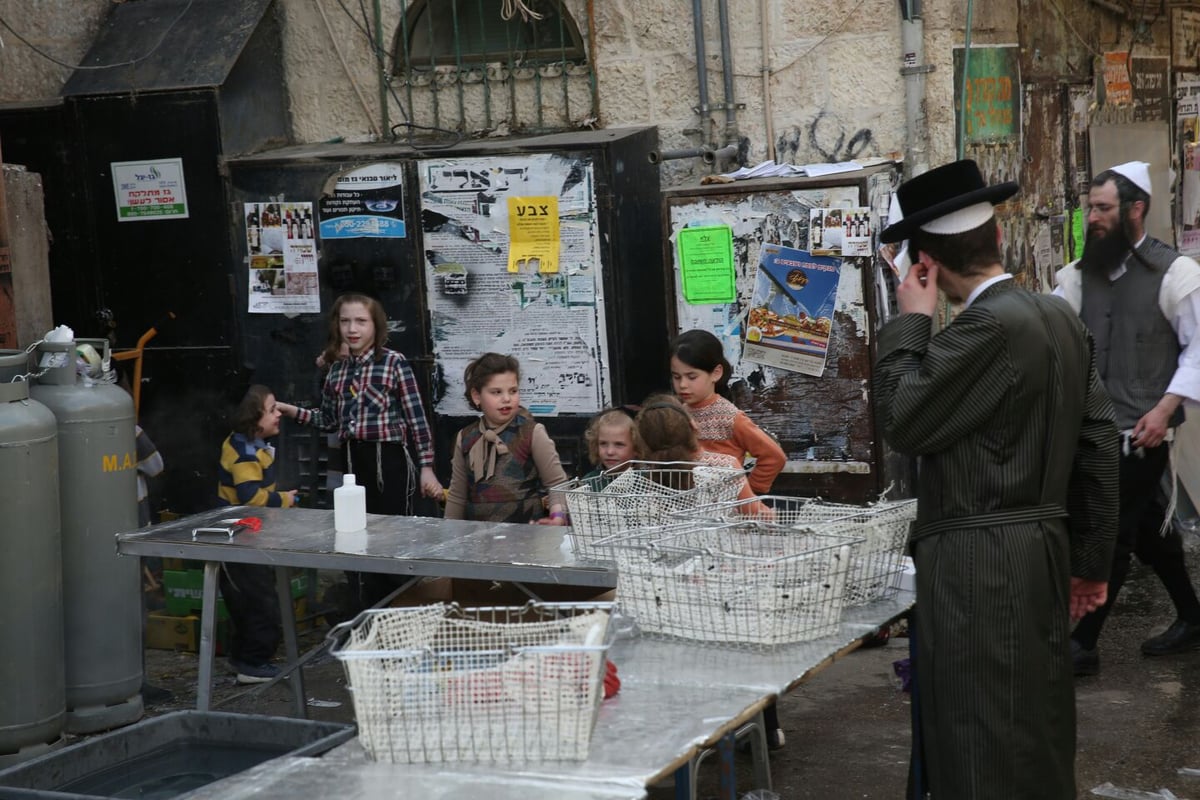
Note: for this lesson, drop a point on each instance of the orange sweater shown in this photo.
(725, 428)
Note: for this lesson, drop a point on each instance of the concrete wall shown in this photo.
(835, 86)
(62, 29)
(29, 244)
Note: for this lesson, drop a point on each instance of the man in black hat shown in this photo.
(1016, 513)
(1141, 300)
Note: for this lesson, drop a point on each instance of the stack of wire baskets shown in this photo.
(644, 494)
(748, 584)
(884, 527)
(507, 684)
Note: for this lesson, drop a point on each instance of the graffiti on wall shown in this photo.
(824, 138)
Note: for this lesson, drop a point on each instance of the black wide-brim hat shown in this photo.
(942, 191)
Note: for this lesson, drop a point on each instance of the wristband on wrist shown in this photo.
(558, 515)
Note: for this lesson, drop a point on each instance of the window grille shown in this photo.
(460, 65)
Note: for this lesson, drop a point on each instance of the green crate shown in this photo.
(184, 591)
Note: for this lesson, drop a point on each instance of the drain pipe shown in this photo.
(705, 154)
(914, 70)
(768, 109)
(731, 124)
(701, 65)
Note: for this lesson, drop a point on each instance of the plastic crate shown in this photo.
(746, 584)
(884, 527)
(646, 494)
(506, 684)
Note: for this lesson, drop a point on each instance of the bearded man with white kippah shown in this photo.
(1141, 301)
(1016, 497)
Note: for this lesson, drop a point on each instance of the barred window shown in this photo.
(472, 33)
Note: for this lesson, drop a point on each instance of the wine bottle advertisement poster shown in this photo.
(282, 248)
(840, 232)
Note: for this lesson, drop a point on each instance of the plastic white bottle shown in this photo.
(349, 506)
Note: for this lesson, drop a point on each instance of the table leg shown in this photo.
(684, 788)
(727, 779)
(287, 619)
(208, 623)
(759, 752)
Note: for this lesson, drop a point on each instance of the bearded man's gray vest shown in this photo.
(1137, 350)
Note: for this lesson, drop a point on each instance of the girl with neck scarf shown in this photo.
(504, 464)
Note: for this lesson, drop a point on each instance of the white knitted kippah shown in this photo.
(1138, 172)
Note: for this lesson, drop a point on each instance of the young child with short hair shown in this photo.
(504, 464)
(610, 441)
(247, 477)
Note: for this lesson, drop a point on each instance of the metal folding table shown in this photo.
(414, 547)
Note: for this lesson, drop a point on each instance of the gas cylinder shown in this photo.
(102, 603)
(33, 707)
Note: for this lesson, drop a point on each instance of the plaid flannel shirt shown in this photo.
(373, 402)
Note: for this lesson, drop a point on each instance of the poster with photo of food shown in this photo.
(790, 319)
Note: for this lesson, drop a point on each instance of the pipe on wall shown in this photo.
(701, 63)
(381, 63)
(966, 72)
(768, 108)
(706, 154)
(731, 123)
(914, 69)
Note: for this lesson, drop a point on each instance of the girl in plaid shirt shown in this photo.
(371, 400)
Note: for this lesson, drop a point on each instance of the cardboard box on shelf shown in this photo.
(166, 631)
(171, 632)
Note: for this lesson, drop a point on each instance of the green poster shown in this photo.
(993, 93)
(1077, 234)
(706, 264)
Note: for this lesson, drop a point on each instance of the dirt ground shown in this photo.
(848, 729)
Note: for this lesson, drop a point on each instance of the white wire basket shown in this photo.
(441, 683)
(884, 527)
(749, 584)
(642, 495)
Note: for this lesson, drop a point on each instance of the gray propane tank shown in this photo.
(33, 711)
(102, 602)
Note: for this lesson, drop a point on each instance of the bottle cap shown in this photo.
(348, 479)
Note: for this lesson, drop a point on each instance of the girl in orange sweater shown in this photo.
(700, 376)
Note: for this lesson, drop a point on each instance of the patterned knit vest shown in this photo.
(715, 421)
(512, 493)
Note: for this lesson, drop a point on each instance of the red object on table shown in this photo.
(252, 524)
(612, 683)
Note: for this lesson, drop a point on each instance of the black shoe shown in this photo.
(1085, 661)
(1181, 637)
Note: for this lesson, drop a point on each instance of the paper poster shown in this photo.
(367, 202)
(1118, 91)
(993, 89)
(840, 231)
(552, 322)
(283, 258)
(149, 190)
(1149, 84)
(1078, 235)
(790, 318)
(706, 264)
(1185, 37)
(533, 238)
